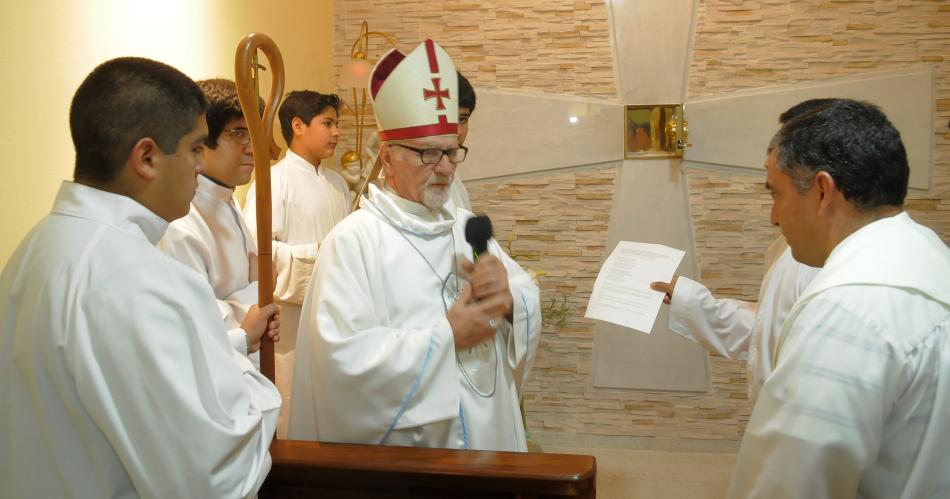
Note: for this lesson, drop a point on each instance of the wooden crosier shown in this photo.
(262, 143)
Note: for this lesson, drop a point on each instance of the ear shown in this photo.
(386, 160)
(145, 158)
(297, 125)
(827, 190)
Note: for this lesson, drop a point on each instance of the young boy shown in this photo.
(212, 238)
(307, 200)
(458, 195)
(116, 376)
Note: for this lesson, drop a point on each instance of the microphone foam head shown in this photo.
(478, 231)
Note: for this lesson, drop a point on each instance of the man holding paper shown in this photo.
(858, 404)
(739, 329)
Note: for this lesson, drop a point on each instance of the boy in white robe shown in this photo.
(213, 238)
(738, 329)
(395, 347)
(116, 375)
(858, 404)
(307, 200)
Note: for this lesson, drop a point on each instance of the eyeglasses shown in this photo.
(239, 135)
(433, 156)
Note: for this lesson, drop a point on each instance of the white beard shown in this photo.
(434, 198)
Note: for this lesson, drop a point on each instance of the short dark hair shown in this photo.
(803, 107)
(122, 101)
(855, 143)
(466, 93)
(223, 106)
(303, 104)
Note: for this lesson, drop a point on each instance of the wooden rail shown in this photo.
(327, 470)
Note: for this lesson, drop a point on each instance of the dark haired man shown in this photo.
(739, 329)
(307, 199)
(213, 238)
(116, 375)
(857, 405)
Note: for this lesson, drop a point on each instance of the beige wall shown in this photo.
(757, 44)
(553, 46)
(556, 46)
(48, 46)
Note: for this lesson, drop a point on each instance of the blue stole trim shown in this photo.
(527, 340)
(464, 428)
(412, 391)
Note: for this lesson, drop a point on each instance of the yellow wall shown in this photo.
(48, 46)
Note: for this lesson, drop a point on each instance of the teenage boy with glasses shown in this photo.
(213, 238)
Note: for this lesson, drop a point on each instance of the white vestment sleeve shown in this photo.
(721, 325)
(237, 337)
(293, 263)
(188, 248)
(526, 314)
(161, 383)
(401, 375)
(818, 420)
(238, 303)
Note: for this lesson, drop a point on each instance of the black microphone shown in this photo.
(477, 233)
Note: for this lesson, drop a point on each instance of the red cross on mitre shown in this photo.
(438, 94)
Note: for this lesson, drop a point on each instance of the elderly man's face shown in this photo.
(406, 174)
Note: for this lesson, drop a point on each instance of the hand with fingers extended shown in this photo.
(665, 287)
(474, 321)
(489, 279)
(261, 321)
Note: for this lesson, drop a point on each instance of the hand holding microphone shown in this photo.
(478, 231)
(486, 300)
(487, 275)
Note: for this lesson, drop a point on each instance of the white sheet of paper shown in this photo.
(622, 293)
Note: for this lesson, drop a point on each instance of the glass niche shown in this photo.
(655, 131)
